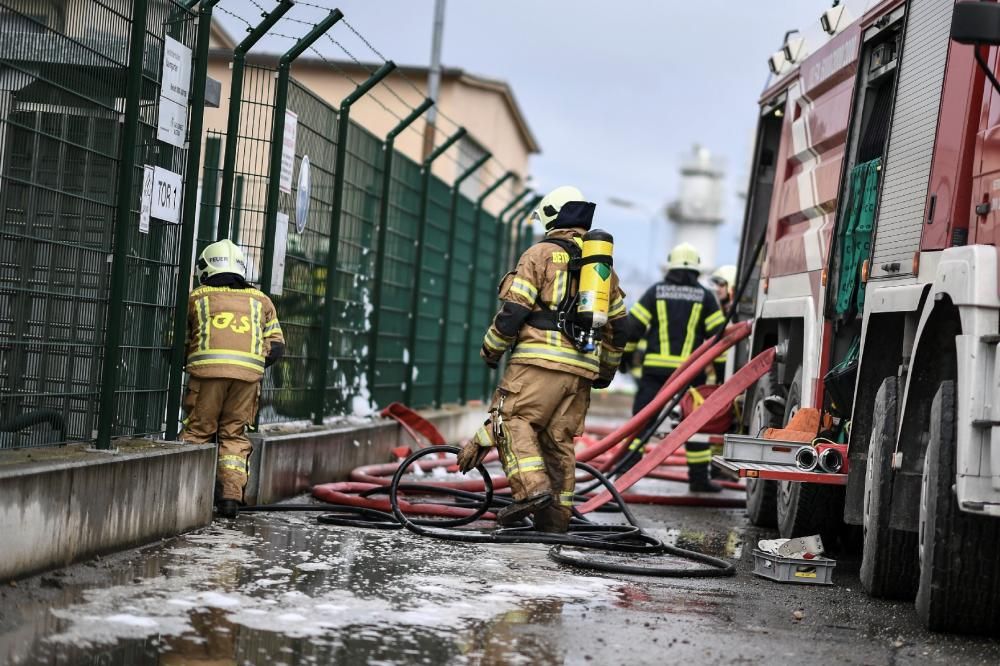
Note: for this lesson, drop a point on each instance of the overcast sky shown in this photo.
(615, 92)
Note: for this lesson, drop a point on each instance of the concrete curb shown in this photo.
(283, 465)
(62, 505)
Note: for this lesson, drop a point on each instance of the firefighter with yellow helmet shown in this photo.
(563, 321)
(674, 317)
(233, 333)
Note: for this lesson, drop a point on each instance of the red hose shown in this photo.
(367, 477)
(714, 404)
(681, 377)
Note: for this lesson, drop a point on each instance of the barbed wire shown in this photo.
(399, 72)
(484, 173)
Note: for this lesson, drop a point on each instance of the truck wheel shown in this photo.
(889, 562)
(959, 568)
(762, 495)
(806, 508)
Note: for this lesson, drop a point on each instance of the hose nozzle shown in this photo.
(806, 459)
(831, 461)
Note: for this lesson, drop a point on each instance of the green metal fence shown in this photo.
(79, 282)
(89, 303)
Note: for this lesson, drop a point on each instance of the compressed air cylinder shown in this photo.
(595, 279)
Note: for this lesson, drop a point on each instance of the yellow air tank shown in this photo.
(595, 279)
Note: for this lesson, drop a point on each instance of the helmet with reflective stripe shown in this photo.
(550, 205)
(684, 257)
(223, 256)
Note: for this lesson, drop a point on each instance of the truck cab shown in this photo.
(876, 183)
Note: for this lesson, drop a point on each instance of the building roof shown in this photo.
(222, 39)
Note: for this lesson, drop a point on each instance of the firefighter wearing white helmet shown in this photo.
(563, 321)
(233, 333)
(724, 280)
(674, 317)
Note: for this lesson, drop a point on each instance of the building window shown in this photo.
(469, 151)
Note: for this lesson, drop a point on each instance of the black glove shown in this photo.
(471, 455)
(601, 383)
(491, 360)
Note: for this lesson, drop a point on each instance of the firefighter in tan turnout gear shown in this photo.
(232, 335)
(563, 320)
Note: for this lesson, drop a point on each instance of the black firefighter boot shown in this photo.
(553, 519)
(228, 508)
(699, 480)
(517, 510)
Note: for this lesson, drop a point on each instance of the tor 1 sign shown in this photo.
(167, 189)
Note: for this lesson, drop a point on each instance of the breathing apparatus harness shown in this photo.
(583, 309)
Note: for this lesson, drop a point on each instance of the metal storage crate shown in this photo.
(743, 448)
(817, 571)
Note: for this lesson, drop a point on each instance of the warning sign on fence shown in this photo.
(288, 151)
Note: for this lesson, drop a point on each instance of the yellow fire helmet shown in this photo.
(727, 274)
(550, 205)
(223, 256)
(684, 256)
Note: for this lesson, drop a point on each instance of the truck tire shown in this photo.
(889, 566)
(959, 588)
(806, 508)
(762, 496)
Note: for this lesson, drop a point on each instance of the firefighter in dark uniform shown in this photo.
(674, 317)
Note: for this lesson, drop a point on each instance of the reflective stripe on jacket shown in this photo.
(673, 317)
(540, 282)
(230, 332)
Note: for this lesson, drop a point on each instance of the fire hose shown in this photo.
(627, 539)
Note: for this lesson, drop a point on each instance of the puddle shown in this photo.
(280, 589)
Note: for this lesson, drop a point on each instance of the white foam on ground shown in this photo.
(376, 582)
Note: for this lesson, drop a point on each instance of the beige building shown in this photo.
(485, 107)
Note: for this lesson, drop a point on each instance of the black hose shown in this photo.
(625, 539)
(616, 538)
(36, 417)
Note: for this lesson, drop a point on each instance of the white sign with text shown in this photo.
(280, 248)
(167, 189)
(288, 151)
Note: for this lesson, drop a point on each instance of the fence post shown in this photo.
(209, 190)
(380, 235)
(123, 216)
(235, 102)
(473, 274)
(188, 213)
(343, 125)
(503, 234)
(514, 233)
(449, 274)
(519, 238)
(519, 215)
(425, 186)
(277, 144)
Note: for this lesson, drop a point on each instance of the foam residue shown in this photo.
(304, 581)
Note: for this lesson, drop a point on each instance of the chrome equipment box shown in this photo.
(743, 448)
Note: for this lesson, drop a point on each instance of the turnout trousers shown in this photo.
(541, 412)
(226, 407)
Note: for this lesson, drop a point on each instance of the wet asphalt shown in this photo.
(282, 589)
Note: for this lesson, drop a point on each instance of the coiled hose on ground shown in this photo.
(628, 540)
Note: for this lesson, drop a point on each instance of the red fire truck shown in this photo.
(876, 179)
